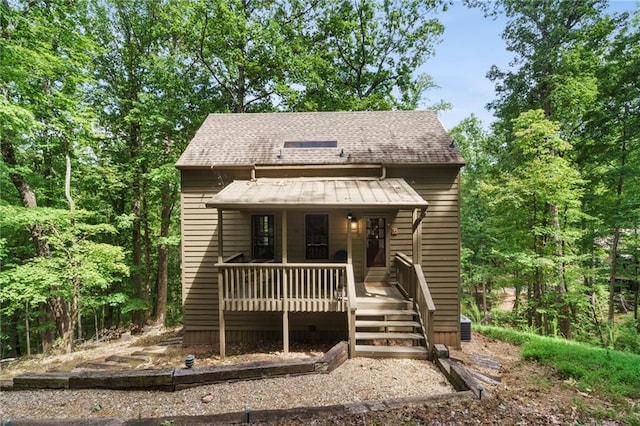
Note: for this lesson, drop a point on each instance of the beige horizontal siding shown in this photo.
(199, 254)
(440, 253)
(441, 249)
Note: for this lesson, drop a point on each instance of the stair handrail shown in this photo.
(352, 306)
(418, 291)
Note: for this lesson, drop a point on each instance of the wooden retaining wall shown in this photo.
(174, 379)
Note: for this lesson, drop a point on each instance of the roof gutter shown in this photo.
(317, 166)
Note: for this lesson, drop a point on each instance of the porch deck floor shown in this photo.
(377, 291)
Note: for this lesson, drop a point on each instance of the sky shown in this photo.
(471, 45)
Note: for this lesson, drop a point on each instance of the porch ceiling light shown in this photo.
(353, 220)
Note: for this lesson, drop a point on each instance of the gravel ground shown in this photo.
(358, 379)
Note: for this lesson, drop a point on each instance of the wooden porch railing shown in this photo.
(292, 287)
(411, 280)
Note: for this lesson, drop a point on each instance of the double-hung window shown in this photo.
(317, 236)
(263, 241)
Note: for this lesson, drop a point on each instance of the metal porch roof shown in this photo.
(310, 193)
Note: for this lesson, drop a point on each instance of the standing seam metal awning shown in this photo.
(309, 193)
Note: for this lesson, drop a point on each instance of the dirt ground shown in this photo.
(154, 349)
(522, 392)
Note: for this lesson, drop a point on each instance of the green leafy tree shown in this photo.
(559, 47)
(250, 50)
(152, 96)
(367, 53)
(556, 44)
(544, 176)
(78, 263)
(43, 110)
(478, 237)
(609, 154)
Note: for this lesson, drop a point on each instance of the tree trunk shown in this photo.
(536, 316)
(147, 252)
(27, 326)
(28, 197)
(616, 231)
(11, 330)
(613, 255)
(163, 256)
(136, 271)
(564, 315)
(74, 312)
(138, 316)
(240, 91)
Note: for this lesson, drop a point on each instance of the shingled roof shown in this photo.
(320, 138)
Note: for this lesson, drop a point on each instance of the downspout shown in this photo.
(384, 173)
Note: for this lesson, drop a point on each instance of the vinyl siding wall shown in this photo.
(441, 241)
(440, 245)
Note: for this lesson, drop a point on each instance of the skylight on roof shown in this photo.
(311, 144)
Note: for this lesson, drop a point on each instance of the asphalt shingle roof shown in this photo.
(368, 137)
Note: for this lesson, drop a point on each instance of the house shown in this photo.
(336, 225)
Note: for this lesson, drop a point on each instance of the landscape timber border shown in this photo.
(246, 417)
(174, 379)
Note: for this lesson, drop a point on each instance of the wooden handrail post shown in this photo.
(221, 324)
(285, 310)
(352, 307)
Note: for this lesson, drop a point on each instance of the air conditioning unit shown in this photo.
(465, 329)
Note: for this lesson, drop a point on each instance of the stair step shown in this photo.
(372, 323)
(383, 312)
(366, 335)
(416, 352)
(364, 303)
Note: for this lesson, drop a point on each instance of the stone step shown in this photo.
(129, 360)
(372, 351)
(173, 341)
(367, 335)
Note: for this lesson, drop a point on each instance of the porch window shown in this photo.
(262, 231)
(317, 236)
(376, 247)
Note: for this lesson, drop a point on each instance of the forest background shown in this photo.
(98, 98)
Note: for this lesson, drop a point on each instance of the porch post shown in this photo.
(285, 308)
(417, 230)
(418, 215)
(221, 325)
(349, 243)
(285, 247)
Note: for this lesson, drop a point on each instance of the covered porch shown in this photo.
(286, 282)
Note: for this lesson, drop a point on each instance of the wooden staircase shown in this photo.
(389, 329)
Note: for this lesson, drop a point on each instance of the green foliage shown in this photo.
(609, 373)
(77, 257)
(367, 53)
(626, 336)
(115, 90)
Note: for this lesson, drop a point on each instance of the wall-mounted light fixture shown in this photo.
(353, 221)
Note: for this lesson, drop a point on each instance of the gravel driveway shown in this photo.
(358, 379)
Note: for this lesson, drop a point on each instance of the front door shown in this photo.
(376, 249)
